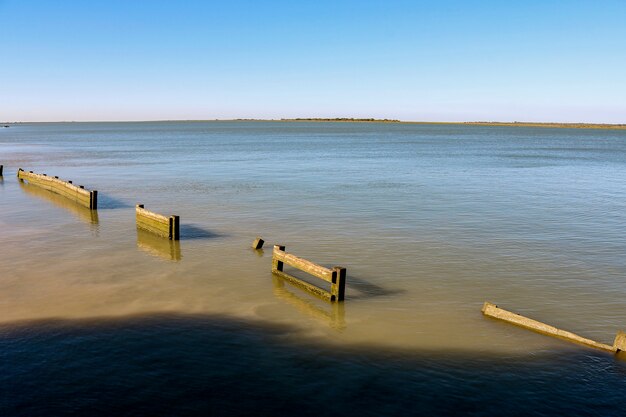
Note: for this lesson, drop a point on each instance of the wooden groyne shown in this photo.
(335, 276)
(158, 224)
(492, 310)
(67, 189)
(1, 168)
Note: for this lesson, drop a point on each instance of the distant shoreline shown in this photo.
(514, 124)
(554, 125)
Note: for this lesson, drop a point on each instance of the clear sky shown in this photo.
(500, 60)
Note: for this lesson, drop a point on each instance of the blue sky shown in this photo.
(410, 60)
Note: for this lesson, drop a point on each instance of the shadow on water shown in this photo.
(188, 365)
(106, 202)
(191, 231)
(333, 314)
(82, 213)
(369, 290)
(158, 246)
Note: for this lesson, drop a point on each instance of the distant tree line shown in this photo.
(339, 119)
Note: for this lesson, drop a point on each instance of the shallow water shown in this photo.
(429, 220)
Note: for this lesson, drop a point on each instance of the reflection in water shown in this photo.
(335, 317)
(83, 213)
(158, 246)
(368, 289)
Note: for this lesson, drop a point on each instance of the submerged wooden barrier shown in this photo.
(492, 310)
(335, 276)
(158, 224)
(78, 194)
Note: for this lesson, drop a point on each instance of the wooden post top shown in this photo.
(258, 243)
(620, 342)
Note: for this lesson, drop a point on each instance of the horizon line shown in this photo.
(345, 120)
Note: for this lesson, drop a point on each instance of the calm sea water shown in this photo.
(429, 220)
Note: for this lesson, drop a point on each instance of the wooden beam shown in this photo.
(78, 194)
(323, 294)
(336, 276)
(158, 224)
(304, 265)
(492, 310)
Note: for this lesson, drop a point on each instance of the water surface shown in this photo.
(429, 220)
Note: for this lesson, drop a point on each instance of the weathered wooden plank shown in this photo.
(141, 215)
(65, 188)
(304, 265)
(323, 294)
(153, 227)
(53, 184)
(154, 223)
(492, 310)
(336, 276)
(168, 227)
(151, 215)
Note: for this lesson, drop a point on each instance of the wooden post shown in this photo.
(338, 284)
(258, 243)
(1, 167)
(276, 264)
(174, 228)
(620, 342)
(93, 200)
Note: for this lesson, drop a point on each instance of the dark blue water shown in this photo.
(212, 365)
